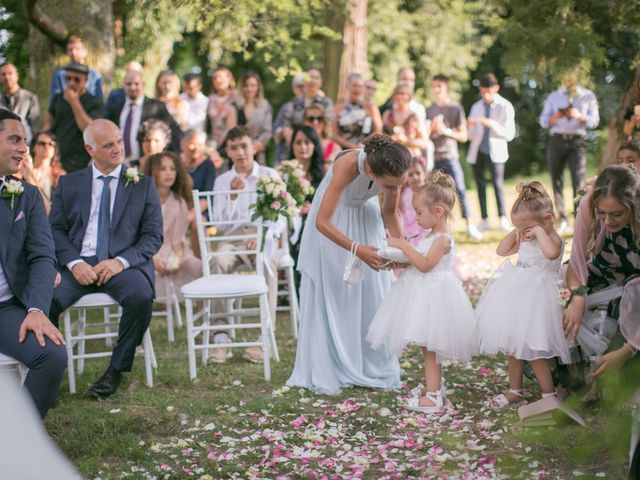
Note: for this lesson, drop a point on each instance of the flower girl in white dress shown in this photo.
(427, 304)
(519, 313)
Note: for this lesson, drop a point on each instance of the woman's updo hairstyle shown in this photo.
(440, 189)
(386, 157)
(532, 198)
(621, 182)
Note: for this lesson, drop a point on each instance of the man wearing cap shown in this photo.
(77, 52)
(491, 126)
(69, 114)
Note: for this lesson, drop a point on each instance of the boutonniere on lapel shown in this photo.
(12, 189)
(132, 175)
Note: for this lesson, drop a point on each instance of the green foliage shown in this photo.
(15, 49)
(448, 37)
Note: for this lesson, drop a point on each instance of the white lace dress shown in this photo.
(519, 313)
(428, 309)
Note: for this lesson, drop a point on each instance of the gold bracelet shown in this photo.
(633, 350)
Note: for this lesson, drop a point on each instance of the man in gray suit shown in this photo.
(27, 273)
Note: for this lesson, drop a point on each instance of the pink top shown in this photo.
(408, 223)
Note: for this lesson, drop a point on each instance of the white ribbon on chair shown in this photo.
(296, 223)
(270, 250)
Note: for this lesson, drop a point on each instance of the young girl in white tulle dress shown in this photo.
(427, 305)
(519, 312)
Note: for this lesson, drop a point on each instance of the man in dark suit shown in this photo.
(134, 109)
(27, 273)
(107, 225)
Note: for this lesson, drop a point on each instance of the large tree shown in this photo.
(599, 37)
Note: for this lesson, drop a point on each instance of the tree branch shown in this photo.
(55, 30)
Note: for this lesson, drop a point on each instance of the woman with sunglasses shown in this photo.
(44, 169)
(316, 118)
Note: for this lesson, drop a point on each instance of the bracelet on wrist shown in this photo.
(579, 291)
(629, 347)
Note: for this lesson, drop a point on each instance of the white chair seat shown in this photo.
(6, 359)
(94, 300)
(223, 285)
(285, 261)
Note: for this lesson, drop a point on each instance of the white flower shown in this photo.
(132, 175)
(14, 187)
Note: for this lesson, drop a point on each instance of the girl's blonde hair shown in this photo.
(439, 189)
(621, 182)
(534, 199)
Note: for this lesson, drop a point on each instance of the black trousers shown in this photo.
(563, 150)
(484, 163)
(132, 290)
(46, 364)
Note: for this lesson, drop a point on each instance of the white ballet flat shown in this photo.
(413, 403)
(501, 401)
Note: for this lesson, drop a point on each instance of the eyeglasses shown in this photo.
(315, 119)
(73, 78)
(42, 143)
(370, 88)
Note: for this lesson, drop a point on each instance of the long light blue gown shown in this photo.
(332, 352)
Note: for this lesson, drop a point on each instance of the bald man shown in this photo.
(106, 229)
(135, 108)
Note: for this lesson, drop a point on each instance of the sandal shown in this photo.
(550, 394)
(501, 401)
(420, 390)
(413, 403)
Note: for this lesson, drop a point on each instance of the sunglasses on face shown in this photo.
(315, 119)
(42, 143)
(73, 78)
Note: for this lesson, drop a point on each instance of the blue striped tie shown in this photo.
(104, 220)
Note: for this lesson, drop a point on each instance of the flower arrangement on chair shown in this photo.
(273, 200)
(293, 176)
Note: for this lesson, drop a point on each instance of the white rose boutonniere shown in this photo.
(12, 189)
(132, 175)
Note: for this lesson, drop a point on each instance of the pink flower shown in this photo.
(276, 205)
(304, 182)
(285, 195)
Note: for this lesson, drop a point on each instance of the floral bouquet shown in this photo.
(565, 294)
(294, 177)
(273, 201)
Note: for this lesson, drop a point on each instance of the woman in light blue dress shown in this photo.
(335, 316)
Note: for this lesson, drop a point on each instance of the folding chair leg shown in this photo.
(106, 314)
(82, 326)
(206, 336)
(69, 346)
(265, 337)
(191, 352)
(293, 302)
(149, 358)
(178, 313)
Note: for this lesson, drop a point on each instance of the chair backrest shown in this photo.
(223, 222)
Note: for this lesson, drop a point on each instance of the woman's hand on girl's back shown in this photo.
(368, 254)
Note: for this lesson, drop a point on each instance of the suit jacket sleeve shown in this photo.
(150, 238)
(58, 218)
(40, 257)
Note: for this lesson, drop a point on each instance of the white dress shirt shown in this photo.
(90, 241)
(238, 209)
(583, 100)
(5, 290)
(135, 125)
(197, 111)
(502, 131)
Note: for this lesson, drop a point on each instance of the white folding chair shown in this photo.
(75, 335)
(171, 309)
(287, 286)
(11, 364)
(229, 289)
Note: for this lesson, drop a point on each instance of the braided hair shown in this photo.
(386, 157)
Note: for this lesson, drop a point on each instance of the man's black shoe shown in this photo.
(107, 384)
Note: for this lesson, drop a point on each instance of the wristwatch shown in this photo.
(34, 309)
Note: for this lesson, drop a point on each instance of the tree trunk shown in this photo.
(335, 19)
(354, 54)
(92, 20)
(616, 135)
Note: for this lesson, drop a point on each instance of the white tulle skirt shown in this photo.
(519, 314)
(428, 309)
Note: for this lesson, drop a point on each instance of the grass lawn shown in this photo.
(230, 423)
